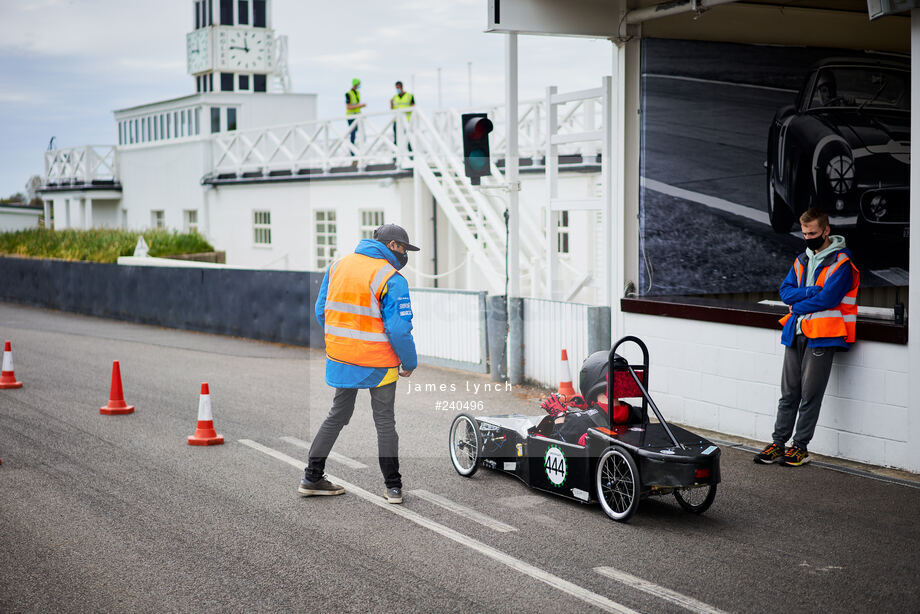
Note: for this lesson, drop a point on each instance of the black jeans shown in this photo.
(352, 131)
(383, 400)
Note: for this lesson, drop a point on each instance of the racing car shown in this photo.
(616, 465)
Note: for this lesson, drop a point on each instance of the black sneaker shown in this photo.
(320, 487)
(770, 454)
(393, 495)
(795, 457)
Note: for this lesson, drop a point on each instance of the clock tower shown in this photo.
(232, 46)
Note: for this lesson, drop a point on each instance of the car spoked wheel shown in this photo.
(617, 484)
(465, 444)
(697, 499)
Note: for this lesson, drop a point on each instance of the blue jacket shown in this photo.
(809, 299)
(396, 311)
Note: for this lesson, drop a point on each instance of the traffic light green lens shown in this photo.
(478, 160)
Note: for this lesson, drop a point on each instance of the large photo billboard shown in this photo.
(738, 140)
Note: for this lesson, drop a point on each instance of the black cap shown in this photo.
(392, 232)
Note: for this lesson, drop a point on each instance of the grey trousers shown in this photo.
(805, 374)
(383, 400)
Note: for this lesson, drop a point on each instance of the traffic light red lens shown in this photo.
(478, 128)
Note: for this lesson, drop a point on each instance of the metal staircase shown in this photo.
(477, 214)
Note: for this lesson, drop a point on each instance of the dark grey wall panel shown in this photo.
(266, 305)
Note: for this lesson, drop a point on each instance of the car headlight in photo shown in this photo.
(840, 173)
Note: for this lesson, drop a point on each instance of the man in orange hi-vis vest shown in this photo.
(366, 315)
(820, 290)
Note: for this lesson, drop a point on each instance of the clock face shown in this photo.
(198, 51)
(245, 49)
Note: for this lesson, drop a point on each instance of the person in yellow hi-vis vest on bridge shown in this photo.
(353, 106)
(402, 100)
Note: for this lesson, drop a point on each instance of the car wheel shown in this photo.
(617, 483)
(696, 500)
(465, 444)
(781, 218)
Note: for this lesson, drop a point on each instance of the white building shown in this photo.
(263, 179)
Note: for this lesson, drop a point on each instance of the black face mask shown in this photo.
(814, 243)
(402, 259)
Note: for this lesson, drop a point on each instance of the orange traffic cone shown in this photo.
(117, 403)
(205, 435)
(7, 375)
(565, 378)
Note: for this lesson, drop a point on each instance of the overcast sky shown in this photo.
(65, 65)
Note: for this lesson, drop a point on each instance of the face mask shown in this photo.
(814, 243)
(402, 259)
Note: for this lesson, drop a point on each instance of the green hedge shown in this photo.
(98, 245)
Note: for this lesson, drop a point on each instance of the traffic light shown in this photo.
(476, 161)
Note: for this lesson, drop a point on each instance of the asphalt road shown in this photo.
(118, 513)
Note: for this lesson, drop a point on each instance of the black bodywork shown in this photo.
(666, 459)
(844, 147)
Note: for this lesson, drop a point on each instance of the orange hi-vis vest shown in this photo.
(354, 329)
(839, 321)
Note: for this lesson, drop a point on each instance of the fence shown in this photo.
(449, 327)
(550, 327)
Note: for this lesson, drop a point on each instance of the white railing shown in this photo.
(449, 327)
(549, 328)
(320, 145)
(81, 165)
(577, 116)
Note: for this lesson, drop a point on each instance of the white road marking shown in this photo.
(516, 564)
(716, 82)
(710, 201)
(674, 597)
(335, 456)
(462, 510)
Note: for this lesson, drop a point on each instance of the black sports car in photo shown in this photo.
(844, 147)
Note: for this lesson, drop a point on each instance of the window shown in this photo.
(370, 221)
(562, 232)
(262, 227)
(121, 130)
(325, 238)
(215, 120)
(190, 220)
(157, 218)
(197, 14)
(226, 12)
(231, 118)
(242, 12)
(169, 127)
(244, 82)
(226, 81)
(258, 13)
(258, 83)
(198, 83)
(196, 121)
(143, 131)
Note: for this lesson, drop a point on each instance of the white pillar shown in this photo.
(913, 292)
(418, 207)
(88, 223)
(511, 163)
(67, 213)
(623, 263)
